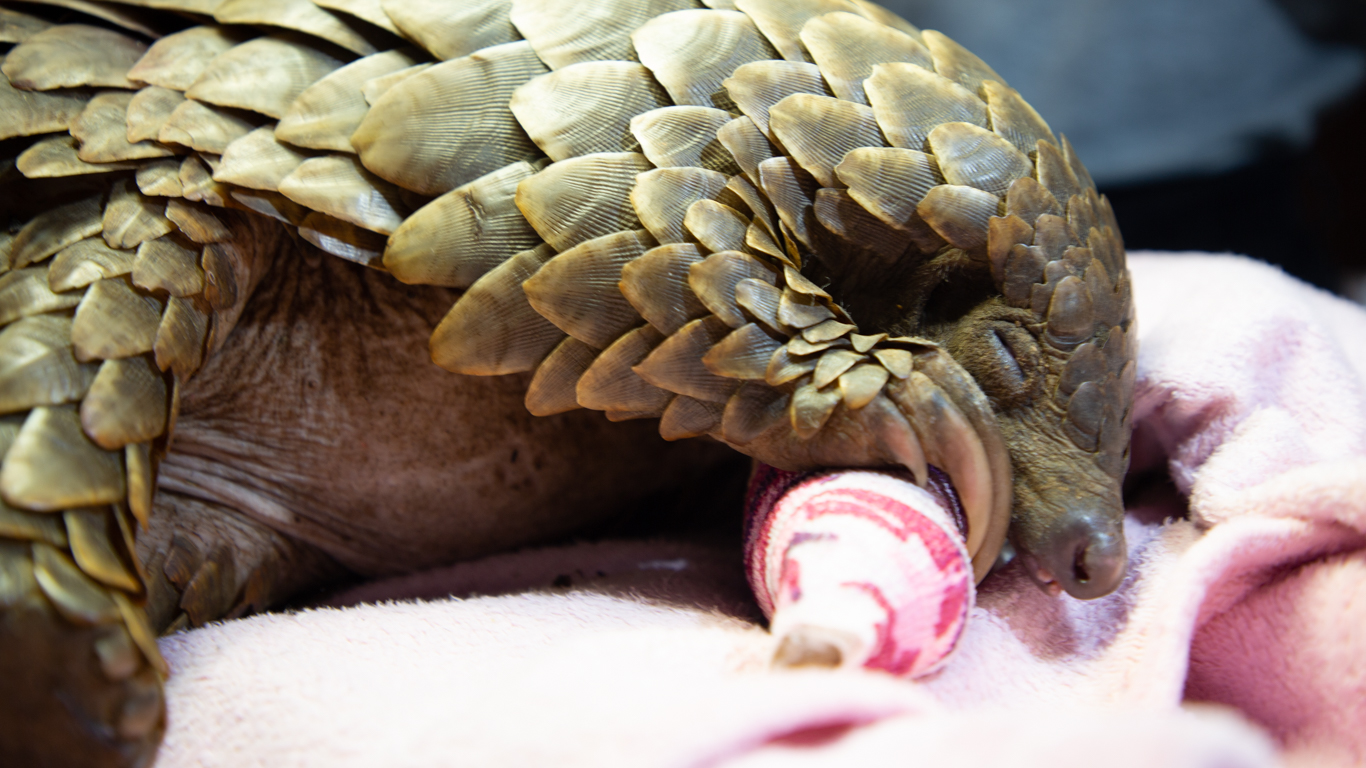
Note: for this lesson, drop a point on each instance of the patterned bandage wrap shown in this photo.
(859, 568)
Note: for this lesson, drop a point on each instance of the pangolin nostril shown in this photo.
(1079, 571)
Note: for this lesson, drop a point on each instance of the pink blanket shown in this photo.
(1239, 638)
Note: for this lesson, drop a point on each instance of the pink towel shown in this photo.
(1251, 394)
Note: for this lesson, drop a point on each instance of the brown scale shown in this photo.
(765, 221)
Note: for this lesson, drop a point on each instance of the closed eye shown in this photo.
(1007, 363)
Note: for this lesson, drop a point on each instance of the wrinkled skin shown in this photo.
(322, 422)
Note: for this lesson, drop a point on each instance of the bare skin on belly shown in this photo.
(321, 440)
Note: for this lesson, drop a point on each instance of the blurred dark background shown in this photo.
(1213, 125)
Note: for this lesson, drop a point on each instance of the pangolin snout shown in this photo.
(1087, 555)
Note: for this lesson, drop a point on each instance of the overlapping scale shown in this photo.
(689, 417)
(761, 300)
(1028, 199)
(959, 214)
(758, 86)
(53, 230)
(1003, 234)
(179, 345)
(577, 290)
(342, 238)
(889, 182)
(126, 403)
(684, 136)
(910, 101)
(169, 264)
(656, 284)
(1054, 173)
(131, 218)
(715, 278)
(339, 186)
(197, 222)
(811, 407)
(94, 549)
(77, 597)
(148, 110)
(585, 108)
(264, 75)
(493, 329)
(258, 160)
(819, 131)
(457, 237)
(371, 11)
(792, 190)
(1013, 119)
(300, 15)
(859, 230)
(451, 31)
(58, 156)
(102, 131)
(197, 183)
(582, 198)
(124, 17)
(52, 465)
(676, 364)
(26, 292)
(16, 27)
(782, 20)
(565, 32)
(37, 366)
(73, 55)
(744, 354)
(1082, 175)
(975, 157)
(717, 226)
(747, 144)
(376, 87)
(176, 61)
(956, 62)
(450, 124)
(847, 46)
(862, 384)
(691, 52)
(553, 388)
(661, 198)
(610, 384)
(205, 128)
(326, 113)
(29, 113)
(86, 261)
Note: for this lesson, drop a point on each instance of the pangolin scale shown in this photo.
(804, 228)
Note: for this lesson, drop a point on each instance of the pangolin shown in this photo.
(803, 228)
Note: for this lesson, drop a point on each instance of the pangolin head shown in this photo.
(1022, 349)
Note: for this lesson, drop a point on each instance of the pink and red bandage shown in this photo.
(859, 568)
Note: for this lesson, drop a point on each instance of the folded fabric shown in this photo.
(1247, 589)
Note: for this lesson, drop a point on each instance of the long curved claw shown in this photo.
(959, 435)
